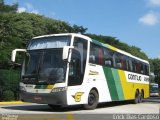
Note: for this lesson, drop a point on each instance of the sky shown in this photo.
(135, 22)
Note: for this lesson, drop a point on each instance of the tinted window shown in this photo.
(120, 61)
(139, 67)
(146, 69)
(108, 57)
(104, 56)
(131, 68)
(96, 54)
(78, 62)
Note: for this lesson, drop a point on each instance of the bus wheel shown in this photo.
(92, 100)
(54, 106)
(136, 100)
(141, 97)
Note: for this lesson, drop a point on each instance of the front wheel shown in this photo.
(92, 100)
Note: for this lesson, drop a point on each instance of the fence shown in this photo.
(9, 84)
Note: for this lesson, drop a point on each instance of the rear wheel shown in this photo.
(141, 97)
(92, 100)
(136, 100)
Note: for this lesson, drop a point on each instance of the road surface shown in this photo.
(116, 110)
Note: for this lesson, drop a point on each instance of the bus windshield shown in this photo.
(154, 88)
(43, 62)
(44, 66)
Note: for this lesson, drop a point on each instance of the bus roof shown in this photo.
(94, 41)
(65, 34)
(153, 84)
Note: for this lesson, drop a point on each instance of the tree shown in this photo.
(8, 8)
(79, 29)
(8, 95)
(156, 64)
(17, 29)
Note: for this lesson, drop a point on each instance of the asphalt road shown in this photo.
(114, 110)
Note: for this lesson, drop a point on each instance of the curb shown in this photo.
(13, 103)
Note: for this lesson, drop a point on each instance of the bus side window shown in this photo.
(123, 61)
(96, 54)
(127, 63)
(130, 65)
(134, 65)
(146, 69)
(137, 67)
(117, 61)
(108, 57)
(100, 56)
(142, 70)
(92, 57)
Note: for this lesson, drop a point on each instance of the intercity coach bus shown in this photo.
(73, 69)
(154, 90)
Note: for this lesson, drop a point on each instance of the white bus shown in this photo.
(73, 69)
(154, 89)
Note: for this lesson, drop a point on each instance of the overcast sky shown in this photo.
(135, 22)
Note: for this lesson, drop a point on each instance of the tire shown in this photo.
(136, 100)
(54, 106)
(92, 100)
(141, 97)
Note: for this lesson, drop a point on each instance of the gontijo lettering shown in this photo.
(134, 77)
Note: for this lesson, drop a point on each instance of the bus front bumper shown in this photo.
(57, 98)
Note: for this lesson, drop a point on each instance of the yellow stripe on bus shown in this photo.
(126, 86)
(50, 87)
(129, 88)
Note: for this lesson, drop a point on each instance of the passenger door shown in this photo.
(77, 65)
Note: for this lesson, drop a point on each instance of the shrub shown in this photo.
(8, 95)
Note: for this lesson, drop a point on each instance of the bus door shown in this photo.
(77, 67)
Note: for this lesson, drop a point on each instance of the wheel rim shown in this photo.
(137, 98)
(140, 98)
(91, 99)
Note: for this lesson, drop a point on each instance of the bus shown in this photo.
(74, 69)
(154, 89)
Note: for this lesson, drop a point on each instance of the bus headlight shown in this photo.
(21, 88)
(59, 89)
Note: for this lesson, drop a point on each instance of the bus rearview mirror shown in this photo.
(66, 52)
(14, 52)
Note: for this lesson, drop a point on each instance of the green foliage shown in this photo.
(156, 65)
(7, 8)
(17, 29)
(9, 80)
(8, 95)
(123, 46)
(79, 29)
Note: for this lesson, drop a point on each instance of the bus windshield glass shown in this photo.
(49, 42)
(43, 62)
(154, 88)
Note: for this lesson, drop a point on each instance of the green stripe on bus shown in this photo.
(98, 43)
(111, 83)
(118, 84)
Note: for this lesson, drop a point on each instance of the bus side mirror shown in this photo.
(14, 52)
(66, 52)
